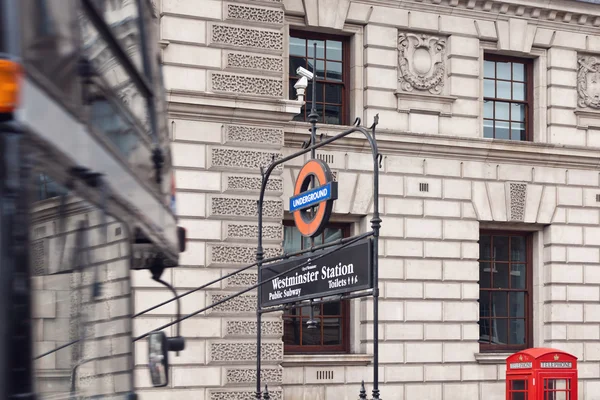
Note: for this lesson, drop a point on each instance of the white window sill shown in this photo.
(298, 360)
(492, 358)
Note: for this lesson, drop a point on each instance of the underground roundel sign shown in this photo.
(320, 198)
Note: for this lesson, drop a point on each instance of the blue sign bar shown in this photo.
(311, 197)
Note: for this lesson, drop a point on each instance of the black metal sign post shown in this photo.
(326, 273)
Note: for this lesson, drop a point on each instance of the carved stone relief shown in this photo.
(243, 395)
(240, 304)
(247, 37)
(247, 231)
(250, 61)
(252, 184)
(588, 82)
(237, 207)
(254, 134)
(248, 328)
(518, 195)
(247, 85)
(221, 254)
(248, 375)
(242, 280)
(232, 351)
(422, 62)
(255, 14)
(244, 159)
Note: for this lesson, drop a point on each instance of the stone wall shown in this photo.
(226, 71)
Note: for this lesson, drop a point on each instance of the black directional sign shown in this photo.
(343, 271)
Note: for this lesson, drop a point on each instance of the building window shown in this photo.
(507, 98)
(331, 334)
(505, 297)
(332, 75)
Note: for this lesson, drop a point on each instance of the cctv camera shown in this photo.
(304, 72)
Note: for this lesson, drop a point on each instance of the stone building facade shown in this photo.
(490, 189)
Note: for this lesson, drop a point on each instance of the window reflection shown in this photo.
(50, 44)
(123, 18)
(113, 73)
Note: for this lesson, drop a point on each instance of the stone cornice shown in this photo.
(211, 106)
(437, 146)
(561, 14)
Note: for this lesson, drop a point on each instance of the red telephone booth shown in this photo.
(541, 374)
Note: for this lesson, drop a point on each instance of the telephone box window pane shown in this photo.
(519, 385)
(519, 396)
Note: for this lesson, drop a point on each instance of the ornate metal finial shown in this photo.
(363, 392)
(266, 395)
(376, 394)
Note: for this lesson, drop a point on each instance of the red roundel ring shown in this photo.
(314, 225)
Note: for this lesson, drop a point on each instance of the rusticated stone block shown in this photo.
(248, 375)
(250, 231)
(254, 134)
(251, 85)
(221, 254)
(518, 195)
(245, 351)
(248, 328)
(247, 37)
(240, 304)
(244, 159)
(253, 184)
(242, 280)
(254, 14)
(240, 207)
(252, 61)
(242, 395)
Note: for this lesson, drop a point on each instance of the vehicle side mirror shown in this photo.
(158, 359)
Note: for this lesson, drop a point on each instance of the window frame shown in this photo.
(495, 348)
(346, 77)
(529, 92)
(344, 348)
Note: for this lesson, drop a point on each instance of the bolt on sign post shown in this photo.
(340, 270)
(541, 374)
